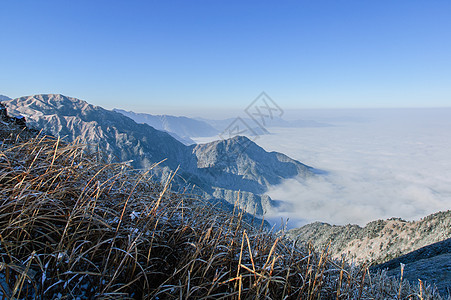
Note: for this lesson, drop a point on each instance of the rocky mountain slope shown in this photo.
(184, 128)
(431, 264)
(258, 169)
(225, 170)
(120, 137)
(379, 241)
(237, 168)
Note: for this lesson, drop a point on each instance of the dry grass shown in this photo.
(72, 226)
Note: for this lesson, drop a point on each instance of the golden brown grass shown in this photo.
(72, 226)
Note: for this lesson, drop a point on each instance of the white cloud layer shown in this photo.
(380, 164)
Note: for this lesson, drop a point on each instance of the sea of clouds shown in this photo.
(378, 164)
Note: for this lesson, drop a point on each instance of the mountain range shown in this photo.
(234, 170)
(184, 128)
(181, 128)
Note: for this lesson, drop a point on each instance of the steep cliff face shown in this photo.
(222, 169)
(378, 241)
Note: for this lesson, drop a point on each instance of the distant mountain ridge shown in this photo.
(220, 125)
(246, 175)
(379, 241)
(183, 127)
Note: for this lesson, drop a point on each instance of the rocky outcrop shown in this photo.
(17, 120)
(13, 128)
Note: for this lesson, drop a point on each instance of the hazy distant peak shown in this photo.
(183, 127)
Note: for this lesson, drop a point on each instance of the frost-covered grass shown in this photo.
(73, 227)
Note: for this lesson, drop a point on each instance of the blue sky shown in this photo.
(186, 56)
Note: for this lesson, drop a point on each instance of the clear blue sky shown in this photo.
(183, 56)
